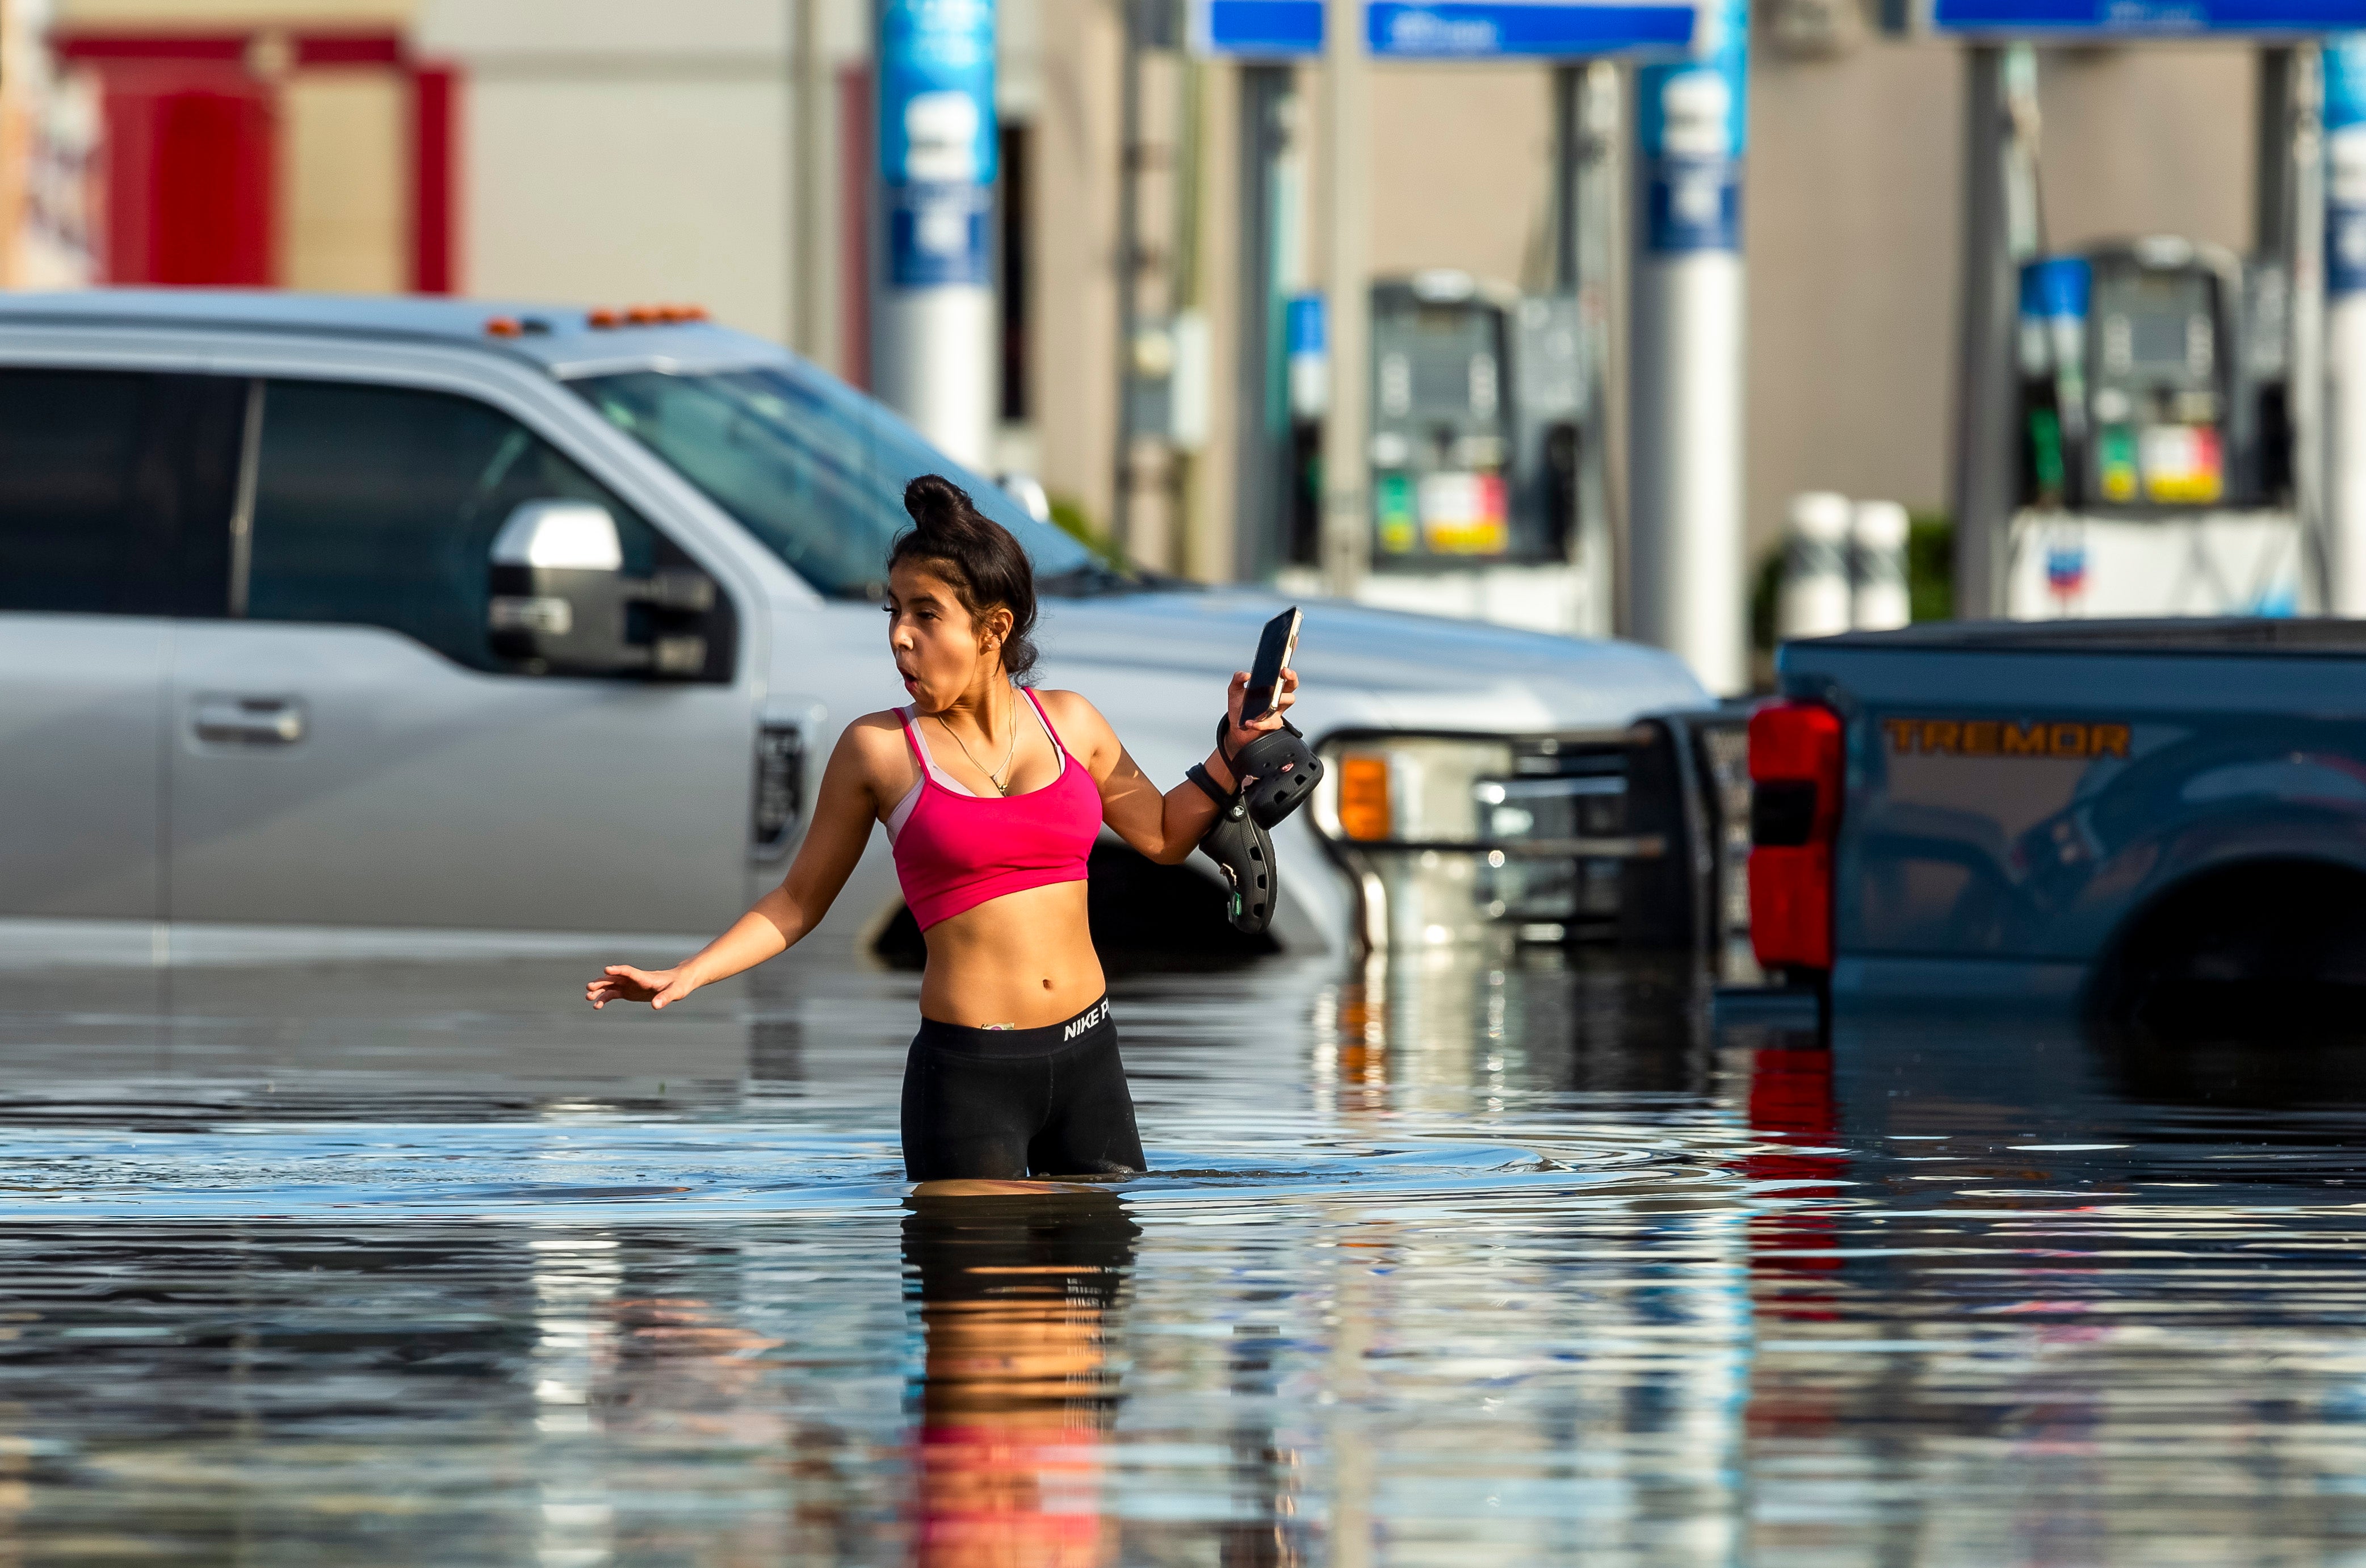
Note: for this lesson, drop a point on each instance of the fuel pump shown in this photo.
(2140, 429)
(1441, 429)
(1551, 401)
(2154, 448)
(1482, 402)
(1461, 466)
(2138, 397)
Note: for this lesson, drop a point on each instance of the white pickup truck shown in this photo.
(262, 674)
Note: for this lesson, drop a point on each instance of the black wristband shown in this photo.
(1199, 774)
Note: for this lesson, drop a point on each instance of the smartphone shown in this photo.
(1275, 650)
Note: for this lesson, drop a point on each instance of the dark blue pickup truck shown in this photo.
(2161, 820)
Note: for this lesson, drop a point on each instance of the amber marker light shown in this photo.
(504, 326)
(602, 316)
(1364, 796)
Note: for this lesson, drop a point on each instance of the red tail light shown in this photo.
(1794, 814)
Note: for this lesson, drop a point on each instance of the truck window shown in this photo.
(814, 470)
(377, 506)
(115, 491)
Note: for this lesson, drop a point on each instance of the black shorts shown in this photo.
(1016, 1103)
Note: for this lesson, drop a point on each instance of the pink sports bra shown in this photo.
(956, 849)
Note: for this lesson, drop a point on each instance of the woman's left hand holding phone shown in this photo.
(1236, 733)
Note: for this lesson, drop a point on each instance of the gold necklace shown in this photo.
(1001, 788)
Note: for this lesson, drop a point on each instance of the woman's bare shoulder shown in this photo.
(1088, 737)
(1065, 706)
(875, 737)
(870, 750)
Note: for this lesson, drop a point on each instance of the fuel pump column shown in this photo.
(2345, 322)
(1687, 574)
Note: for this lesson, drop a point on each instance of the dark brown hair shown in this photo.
(976, 556)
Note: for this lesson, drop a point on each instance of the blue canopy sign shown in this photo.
(1454, 29)
(1256, 29)
(2062, 21)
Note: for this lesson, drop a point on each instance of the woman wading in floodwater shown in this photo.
(992, 795)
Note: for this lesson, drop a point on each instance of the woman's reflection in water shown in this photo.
(1016, 1282)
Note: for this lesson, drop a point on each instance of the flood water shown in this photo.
(1450, 1262)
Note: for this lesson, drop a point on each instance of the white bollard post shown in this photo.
(1879, 601)
(1813, 597)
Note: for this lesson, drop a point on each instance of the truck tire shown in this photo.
(2268, 947)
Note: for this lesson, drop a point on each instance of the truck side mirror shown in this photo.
(561, 605)
(1028, 491)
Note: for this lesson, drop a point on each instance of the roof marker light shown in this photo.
(599, 317)
(503, 326)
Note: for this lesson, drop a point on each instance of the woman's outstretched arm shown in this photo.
(844, 810)
(1166, 826)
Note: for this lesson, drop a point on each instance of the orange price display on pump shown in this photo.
(2184, 463)
(1465, 515)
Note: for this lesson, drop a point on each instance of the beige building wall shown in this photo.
(1209, 536)
(623, 152)
(1461, 166)
(2149, 141)
(1074, 303)
(344, 181)
(1851, 226)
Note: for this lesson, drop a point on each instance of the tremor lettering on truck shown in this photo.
(2006, 737)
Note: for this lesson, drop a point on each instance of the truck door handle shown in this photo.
(250, 721)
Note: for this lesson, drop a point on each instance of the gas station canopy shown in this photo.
(2066, 21)
(1463, 29)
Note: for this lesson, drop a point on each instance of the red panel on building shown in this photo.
(192, 150)
(210, 202)
(434, 155)
(189, 154)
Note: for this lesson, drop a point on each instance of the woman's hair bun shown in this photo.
(938, 505)
(976, 555)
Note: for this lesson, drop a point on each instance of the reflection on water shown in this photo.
(1444, 1262)
(1018, 1390)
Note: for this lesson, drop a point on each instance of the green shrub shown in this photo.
(1068, 515)
(1931, 564)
